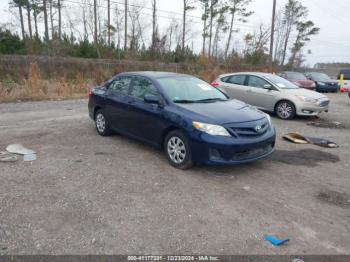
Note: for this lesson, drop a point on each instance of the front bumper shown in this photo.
(312, 109)
(215, 150)
(327, 88)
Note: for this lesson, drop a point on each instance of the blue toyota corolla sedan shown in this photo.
(193, 122)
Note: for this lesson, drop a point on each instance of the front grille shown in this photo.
(324, 103)
(252, 153)
(250, 129)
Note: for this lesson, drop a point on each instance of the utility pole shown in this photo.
(272, 35)
(95, 23)
(126, 26)
(109, 22)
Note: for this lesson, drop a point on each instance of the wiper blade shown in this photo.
(183, 101)
(210, 100)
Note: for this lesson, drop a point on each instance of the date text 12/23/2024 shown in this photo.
(173, 258)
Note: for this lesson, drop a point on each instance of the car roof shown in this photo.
(261, 74)
(292, 72)
(310, 73)
(153, 74)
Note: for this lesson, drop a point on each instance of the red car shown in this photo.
(299, 79)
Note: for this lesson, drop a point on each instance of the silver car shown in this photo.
(272, 93)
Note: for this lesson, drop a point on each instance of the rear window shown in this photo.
(224, 79)
(294, 76)
(237, 80)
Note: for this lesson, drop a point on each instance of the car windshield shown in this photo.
(320, 77)
(281, 82)
(294, 76)
(188, 89)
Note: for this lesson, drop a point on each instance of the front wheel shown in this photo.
(177, 150)
(285, 110)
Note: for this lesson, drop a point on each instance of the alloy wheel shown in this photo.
(284, 110)
(176, 150)
(100, 122)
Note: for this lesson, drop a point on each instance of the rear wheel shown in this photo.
(177, 150)
(102, 124)
(285, 110)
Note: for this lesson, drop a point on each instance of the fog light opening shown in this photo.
(214, 155)
(307, 111)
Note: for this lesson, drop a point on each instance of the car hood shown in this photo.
(306, 93)
(306, 83)
(224, 112)
(328, 82)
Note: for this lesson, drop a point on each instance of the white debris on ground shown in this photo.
(28, 154)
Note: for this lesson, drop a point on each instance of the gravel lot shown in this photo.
(86, 194)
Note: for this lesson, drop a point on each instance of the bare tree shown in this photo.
(37, 8)
(238, 10)
(305, 31)
(220, 26)
(154, 12)
(256, 48)
(126, 25)
(279, 37)
(212, 14)
(205, 16)
(118, 21)
(29, 19)
(45, 21)
(59, 6)
(293, 12)
(19, 5)
(172, 29)
(51, 14)
(187, 6)
(136, 29)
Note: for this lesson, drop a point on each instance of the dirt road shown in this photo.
(86, 194)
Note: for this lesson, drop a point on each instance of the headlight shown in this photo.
(213, 130)
(269, 119)
(307, 99)
(321, 83)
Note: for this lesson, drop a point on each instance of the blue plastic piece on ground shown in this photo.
(274, 241)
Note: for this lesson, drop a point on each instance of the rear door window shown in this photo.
(142, 87)
(120, 85)
(237, 80)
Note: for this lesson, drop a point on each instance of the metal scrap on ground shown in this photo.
(7, 157)
(299, 139)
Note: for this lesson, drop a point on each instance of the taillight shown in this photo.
(215, 84)
(90, 93)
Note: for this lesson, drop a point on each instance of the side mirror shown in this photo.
(267, 86)
(151, 99)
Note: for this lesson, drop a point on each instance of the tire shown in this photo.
(177, 150)
(102, 124)
(285, 110)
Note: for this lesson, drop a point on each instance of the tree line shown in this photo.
(122, 29)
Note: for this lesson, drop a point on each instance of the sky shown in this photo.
(332, 44)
